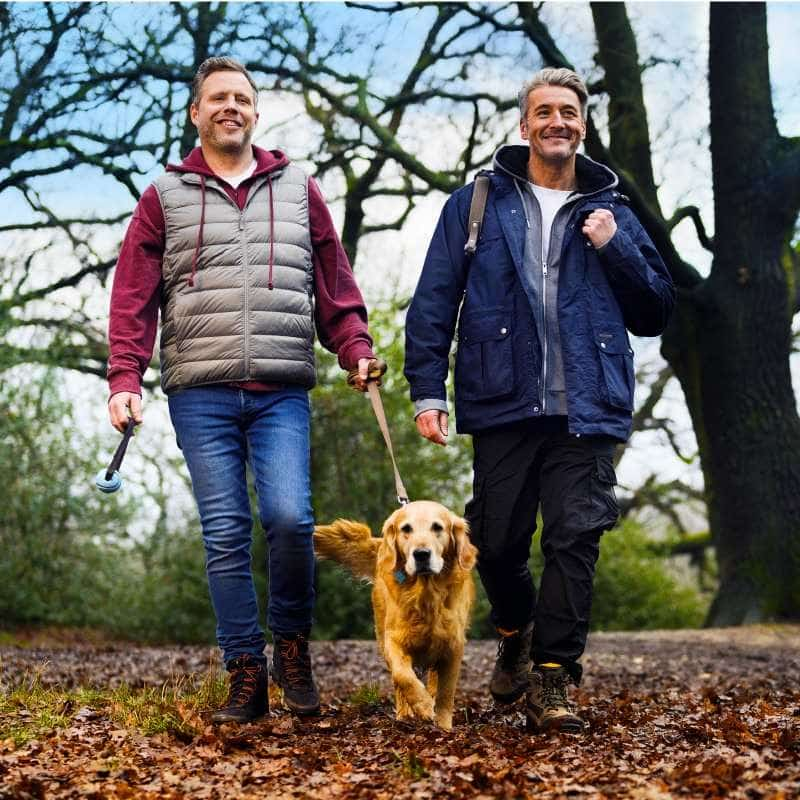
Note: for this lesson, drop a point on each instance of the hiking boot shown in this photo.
(248, 697)
(511, 668)
(291, 670)
(547, 705)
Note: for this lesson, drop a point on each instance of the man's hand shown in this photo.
(118, 407)
(369, 369)
(433, 426)
(600, 227)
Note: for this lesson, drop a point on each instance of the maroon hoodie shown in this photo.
(341, 317)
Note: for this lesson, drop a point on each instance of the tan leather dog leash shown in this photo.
(376, 370)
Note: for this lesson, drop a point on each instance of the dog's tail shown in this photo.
(350, 544)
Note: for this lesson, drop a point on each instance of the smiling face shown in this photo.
(553, 125)
(225, 114)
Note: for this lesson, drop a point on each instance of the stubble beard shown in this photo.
(226, 145)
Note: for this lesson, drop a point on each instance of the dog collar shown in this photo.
(400, 576)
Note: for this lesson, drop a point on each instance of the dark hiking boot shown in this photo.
(248, 696)
(547, 705)
(511, 667)
(291, 670)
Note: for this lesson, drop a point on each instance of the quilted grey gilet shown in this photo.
(224, 324)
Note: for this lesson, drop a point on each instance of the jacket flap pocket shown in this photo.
(613, 340)
(486, 328)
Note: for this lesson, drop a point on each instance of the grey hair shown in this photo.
(219, 64)
(551, 76)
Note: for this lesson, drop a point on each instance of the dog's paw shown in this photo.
(423, 709)
(444, 720)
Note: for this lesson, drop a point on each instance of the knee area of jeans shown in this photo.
(227, 547)
(296, 523)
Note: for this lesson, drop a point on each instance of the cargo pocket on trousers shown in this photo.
(603, 511)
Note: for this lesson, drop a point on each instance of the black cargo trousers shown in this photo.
(517, 467)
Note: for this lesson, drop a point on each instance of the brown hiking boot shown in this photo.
(248, 697)
(547, 705)
(291, 670)
(511, 667)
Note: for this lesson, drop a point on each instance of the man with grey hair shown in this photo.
(237, 250)
(544, 378)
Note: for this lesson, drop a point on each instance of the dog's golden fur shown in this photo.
(421, 602)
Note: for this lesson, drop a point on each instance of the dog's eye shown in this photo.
(406, 528)
(437, 527)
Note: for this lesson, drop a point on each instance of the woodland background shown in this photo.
(392, 107)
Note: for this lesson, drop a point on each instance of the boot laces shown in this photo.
(509, 650)
(554, 691)
(296, 661)
(244, 680)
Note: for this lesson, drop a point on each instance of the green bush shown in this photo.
(67, 559)
(62, 541)
(635, 589)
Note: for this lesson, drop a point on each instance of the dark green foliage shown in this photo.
(68, 561)
(61, 539)
(634, 589)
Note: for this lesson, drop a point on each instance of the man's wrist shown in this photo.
(125, 382)
(421, 406)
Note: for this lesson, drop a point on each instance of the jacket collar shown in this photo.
(512, 160)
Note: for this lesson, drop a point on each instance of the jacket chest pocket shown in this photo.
(485, 358)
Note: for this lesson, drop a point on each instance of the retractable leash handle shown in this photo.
(109, 480)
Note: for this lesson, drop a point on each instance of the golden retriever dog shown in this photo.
(421, 571)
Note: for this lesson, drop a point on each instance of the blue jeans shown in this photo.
(220, 429)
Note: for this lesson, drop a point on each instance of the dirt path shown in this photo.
(707, 714)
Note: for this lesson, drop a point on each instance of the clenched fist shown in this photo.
(600, 227)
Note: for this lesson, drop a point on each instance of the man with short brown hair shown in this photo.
(543, 377)
(237, 249)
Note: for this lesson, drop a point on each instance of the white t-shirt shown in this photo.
(550, 200)
(235, 180)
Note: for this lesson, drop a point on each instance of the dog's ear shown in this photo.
(466, 552)
(387, 555)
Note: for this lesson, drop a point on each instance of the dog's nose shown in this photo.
(422, 555)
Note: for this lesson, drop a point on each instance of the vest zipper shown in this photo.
(246, 285)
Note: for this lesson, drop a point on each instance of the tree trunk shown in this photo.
(733, 362)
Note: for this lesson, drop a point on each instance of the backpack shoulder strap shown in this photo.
(476, 211)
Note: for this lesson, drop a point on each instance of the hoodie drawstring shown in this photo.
(199, 244)
(200, 232)
(271, 233)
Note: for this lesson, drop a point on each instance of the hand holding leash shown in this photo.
(375, 369)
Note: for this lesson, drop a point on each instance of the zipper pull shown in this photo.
(544, 268)
(241, 221)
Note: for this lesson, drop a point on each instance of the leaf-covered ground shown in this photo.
(705, 714)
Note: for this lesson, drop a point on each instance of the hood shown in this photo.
(593, 177)
(267, 162)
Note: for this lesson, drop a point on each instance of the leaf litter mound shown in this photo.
(683, 714)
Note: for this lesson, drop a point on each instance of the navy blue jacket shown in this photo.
(498, 366)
